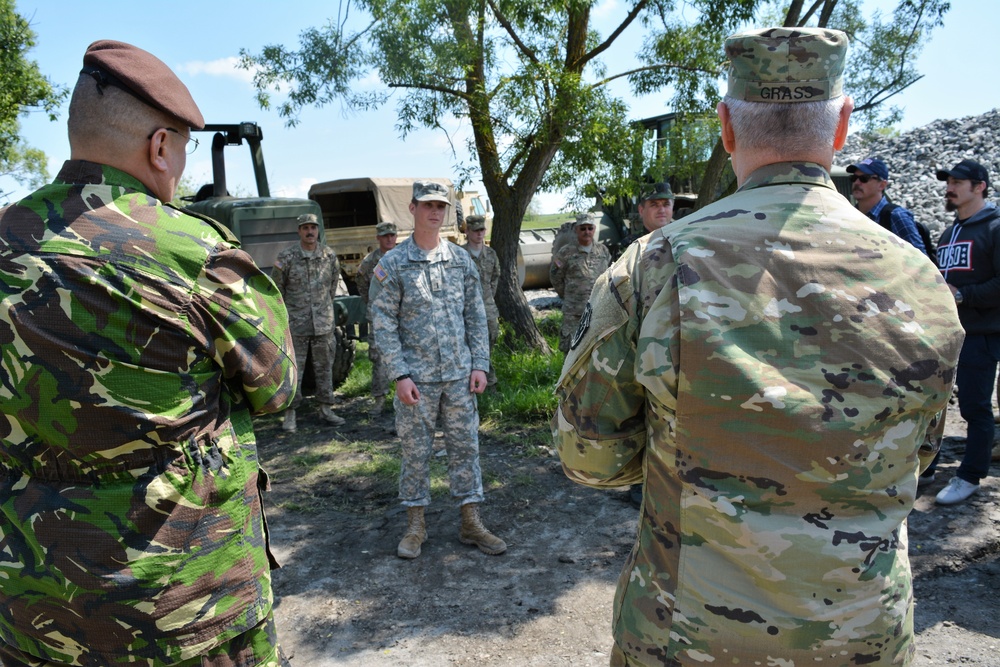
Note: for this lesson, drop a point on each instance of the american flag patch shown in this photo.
(380, 273)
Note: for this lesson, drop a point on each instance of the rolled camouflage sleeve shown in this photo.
(557, 273)
(599, 427)
(244, 316)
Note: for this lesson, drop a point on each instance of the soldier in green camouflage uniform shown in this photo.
(489, 277)
(385, 233)
(573, 271)
(307, 275)
(769, 366)
(137, 341)
(430, 326)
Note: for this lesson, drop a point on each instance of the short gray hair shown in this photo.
(785, 128)
(112, 119)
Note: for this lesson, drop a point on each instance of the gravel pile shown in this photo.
(913, 158)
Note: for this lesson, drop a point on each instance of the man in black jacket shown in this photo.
(969, 254)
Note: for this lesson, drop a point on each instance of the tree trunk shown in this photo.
(713, 173)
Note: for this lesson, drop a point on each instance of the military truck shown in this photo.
(351, 207)
(266, 225)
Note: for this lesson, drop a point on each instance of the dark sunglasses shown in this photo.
(586, 228)
(864, 178)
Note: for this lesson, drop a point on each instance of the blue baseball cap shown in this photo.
(871, 166)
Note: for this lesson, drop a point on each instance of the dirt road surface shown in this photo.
(343, 597)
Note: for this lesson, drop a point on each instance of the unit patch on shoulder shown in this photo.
(584, 325)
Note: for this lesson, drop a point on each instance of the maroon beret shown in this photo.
(143, 75)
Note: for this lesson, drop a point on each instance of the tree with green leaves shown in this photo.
(528, 77)
(23, 89)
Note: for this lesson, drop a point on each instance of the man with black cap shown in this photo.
(307, 275)
(137, 342)
(869, 179)
(969, 254)
(769, 366)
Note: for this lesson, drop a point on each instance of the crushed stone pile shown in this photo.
(914, 156)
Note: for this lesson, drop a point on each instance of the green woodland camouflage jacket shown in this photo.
(136, 342)
(768, 365)
(427, 313)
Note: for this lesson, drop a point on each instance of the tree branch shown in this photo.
(525, 51)
(653, 68)
(614, 35)
(434, 89)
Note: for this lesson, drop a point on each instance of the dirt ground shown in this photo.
(344, 598)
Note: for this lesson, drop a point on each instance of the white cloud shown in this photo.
(223, 67)
(298, 190)
(604, 10)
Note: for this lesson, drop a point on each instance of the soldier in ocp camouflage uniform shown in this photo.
(489, 277)
(573, 271)
(385, 233)
(430, 326)
(136, 342)
(769, 366)
(307, 274)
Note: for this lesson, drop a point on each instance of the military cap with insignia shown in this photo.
(385, 227)
(786, 65)
(656, 191)
(308, 219)
(475, 222)
(430, 191)
(144, 76)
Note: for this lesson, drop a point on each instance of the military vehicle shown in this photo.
(266, 225)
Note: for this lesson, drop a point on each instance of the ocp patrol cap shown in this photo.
(144, 76)
(786, 65)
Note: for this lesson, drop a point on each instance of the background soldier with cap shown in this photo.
(307, 275)
(489, 277)
(385, 234)
(573, 271)
(430, 326)
(969, 254)
(656, 209)
(770, 366)
(869, 179)
(137, 341)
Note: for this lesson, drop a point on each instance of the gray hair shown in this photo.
(112, 120)
(791, 129)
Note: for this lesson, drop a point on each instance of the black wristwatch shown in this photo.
(404, 376)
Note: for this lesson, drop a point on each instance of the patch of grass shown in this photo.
(546, 220)
(359, 380)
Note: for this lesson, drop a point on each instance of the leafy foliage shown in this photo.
(22, 89)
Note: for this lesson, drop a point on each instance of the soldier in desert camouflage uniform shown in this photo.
(136, 342)
(385, 233)
(307, 275)
(769, 365)
(489, 277)
(430, 326)
(573, 271)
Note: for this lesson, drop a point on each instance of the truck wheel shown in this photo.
(344, 359)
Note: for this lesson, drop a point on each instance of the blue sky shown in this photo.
(201, 42)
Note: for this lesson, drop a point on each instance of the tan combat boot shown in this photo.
(416, 533)
(330, 416)
(288, 423)
(473, 532)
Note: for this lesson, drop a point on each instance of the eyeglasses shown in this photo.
(586, 228)
(192, 143)
(864, 178)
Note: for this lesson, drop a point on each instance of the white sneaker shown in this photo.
(956, 491)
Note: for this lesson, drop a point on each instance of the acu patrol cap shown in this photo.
(384, 228)
(143, 75)
(430, 191)
(587, 219)
(475, 222)
(786, 65)
(308, 219)
(657, 191)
